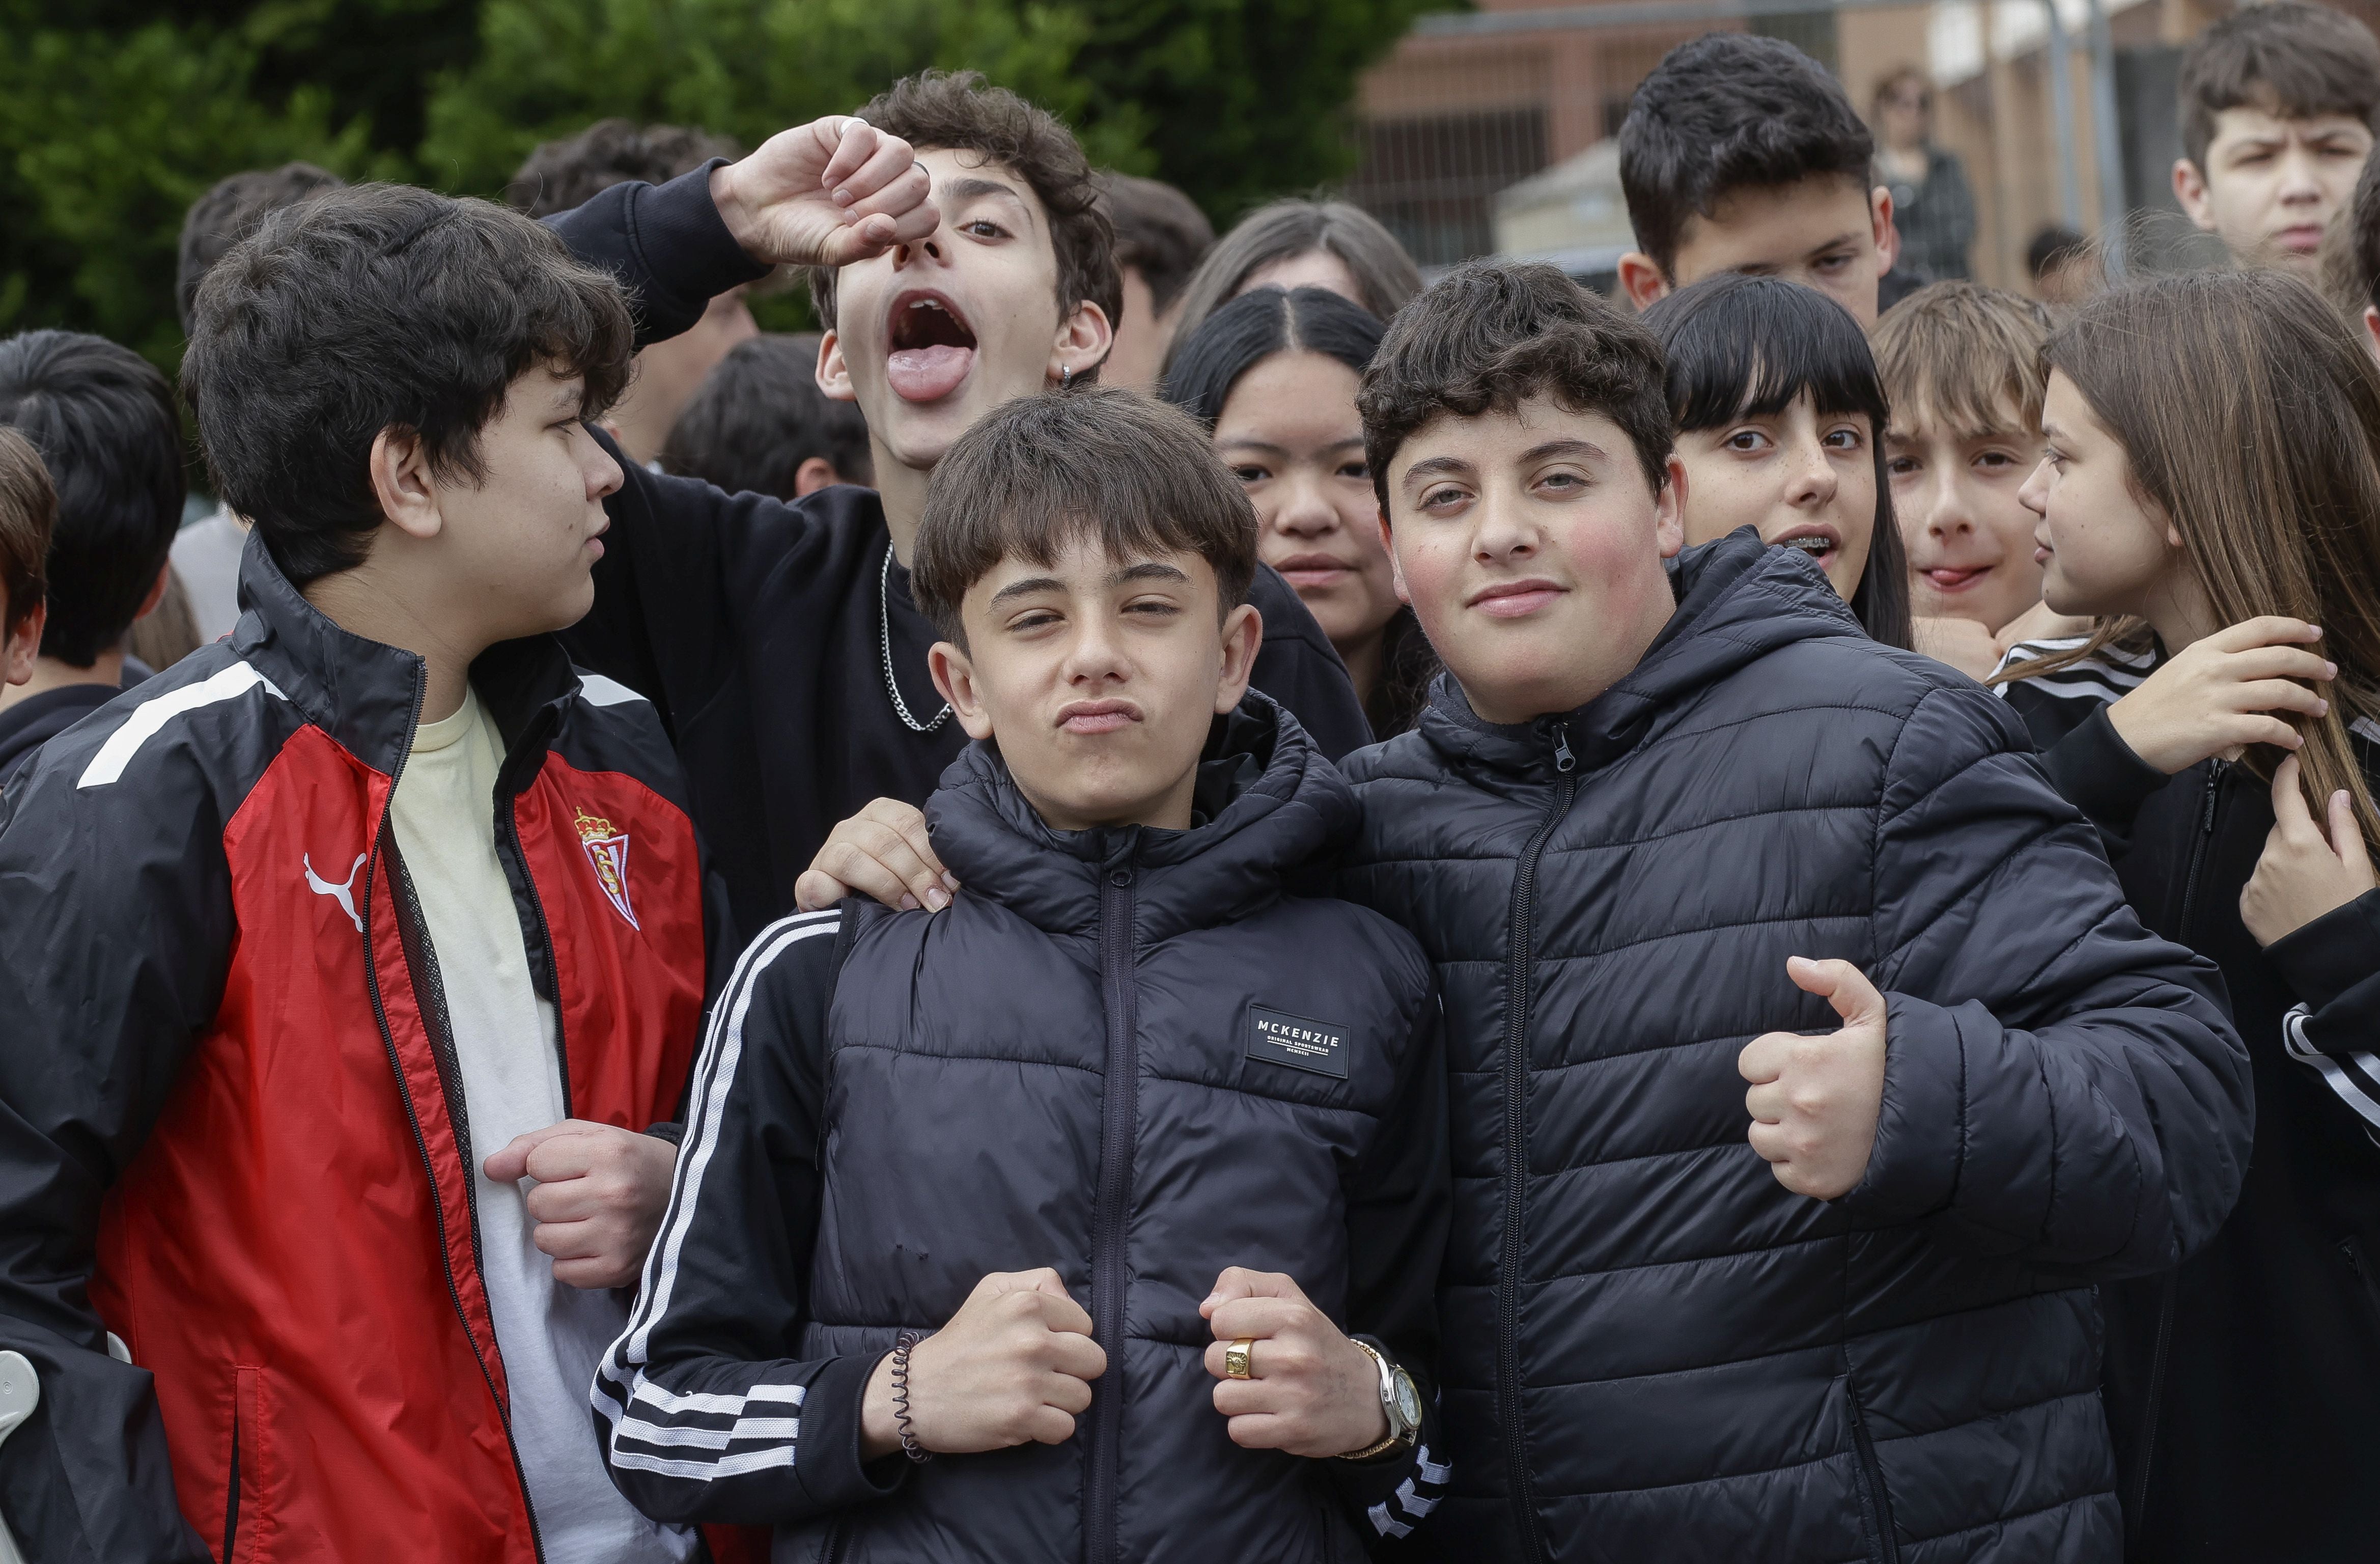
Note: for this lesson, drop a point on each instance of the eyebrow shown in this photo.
(1848, 237)
(1148, 570)
(1552, 449)
(1435, 466)
(1251, 442)
(966, 189)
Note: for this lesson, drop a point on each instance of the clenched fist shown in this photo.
(1314, 1392)
(1815, 1100)
(600, 1191)
(1013, 1366)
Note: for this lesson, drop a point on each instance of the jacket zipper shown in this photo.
(1119, 1122)
(2152, 1414)
(2198, 847)
(422, 1142)
(1516, 1149)
(1871, 1475)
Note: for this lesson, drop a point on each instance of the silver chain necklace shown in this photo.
(885, 624)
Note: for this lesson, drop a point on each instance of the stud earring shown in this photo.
(1065, 377)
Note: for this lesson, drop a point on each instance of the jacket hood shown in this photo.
(1738, 600)
(367, 694)
(1268, 803)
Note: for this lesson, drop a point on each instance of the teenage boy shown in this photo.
(1036, 1228)
(569, 173)
(1740, 153)
(1962, 370)
(265, 1116)
(1660, 791)
(28, 505)
(107, 429)
(206, 553)
(781, 642)
(1160, 237)
(2278, 105)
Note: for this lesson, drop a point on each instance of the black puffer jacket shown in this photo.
(1067, 1067)
(1652, 1350)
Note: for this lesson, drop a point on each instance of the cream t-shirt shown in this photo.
(552, 1335)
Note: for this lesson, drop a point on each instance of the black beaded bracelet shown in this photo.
(909, 1446)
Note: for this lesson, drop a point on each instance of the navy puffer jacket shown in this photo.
(1079, 1065)
(1653, 1351)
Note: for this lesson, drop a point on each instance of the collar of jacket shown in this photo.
(1294, 807)
(367, 695)
(1738, 599)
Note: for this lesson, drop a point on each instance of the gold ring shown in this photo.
(1235, 1359)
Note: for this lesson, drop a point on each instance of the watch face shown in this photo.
(1408, 1401)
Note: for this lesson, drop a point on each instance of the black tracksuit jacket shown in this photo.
(1653, 1351)
(755, 626)
(2244, 1387)
(1071, 1066)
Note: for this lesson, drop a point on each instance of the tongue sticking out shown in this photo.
(927, 375)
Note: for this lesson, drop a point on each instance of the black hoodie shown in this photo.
(773, 637)
(1652, 1350)
(1077, 1064)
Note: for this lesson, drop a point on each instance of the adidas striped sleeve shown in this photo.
(704, 1409)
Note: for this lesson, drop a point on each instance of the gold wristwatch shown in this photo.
(1401, 1400)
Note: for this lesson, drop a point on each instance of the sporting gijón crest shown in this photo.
(608, 851)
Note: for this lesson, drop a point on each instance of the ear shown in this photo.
(814, 474)
(2190, 189)
(1643, 281)
(16, 654)
(834, 375)
(401, 481)
(1243, 639)
(1888, 237)
(1396, 566)
(156, 591)
(2372, 327)
(953, 673)
(1670, 509)
(1084, 340)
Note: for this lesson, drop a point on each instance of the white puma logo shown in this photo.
(342, 893)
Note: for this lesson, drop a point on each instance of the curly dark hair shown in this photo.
(372, 308)
(1490, 335)
(958, 111)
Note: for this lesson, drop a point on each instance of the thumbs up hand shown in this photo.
(1815, 1100)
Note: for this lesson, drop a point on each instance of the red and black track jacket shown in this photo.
(231, 1128)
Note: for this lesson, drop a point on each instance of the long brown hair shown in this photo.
(2251, 416)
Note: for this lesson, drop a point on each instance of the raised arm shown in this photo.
(2058, 1084)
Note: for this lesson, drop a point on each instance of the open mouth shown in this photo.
(1819, 543)
(931, 348)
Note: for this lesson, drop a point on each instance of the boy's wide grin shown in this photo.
(930, 348)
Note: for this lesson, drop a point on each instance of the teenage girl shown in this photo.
(2212, 495)
(1780, 421)
(1273, 375)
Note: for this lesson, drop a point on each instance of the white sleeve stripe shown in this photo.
(701, 1401)
(705, 1471)
(150, 715)
(780, 1430)
(597, 690)
(715, 1077)
(1385, 1523)
(1413, 1503)
(1437, 1472)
